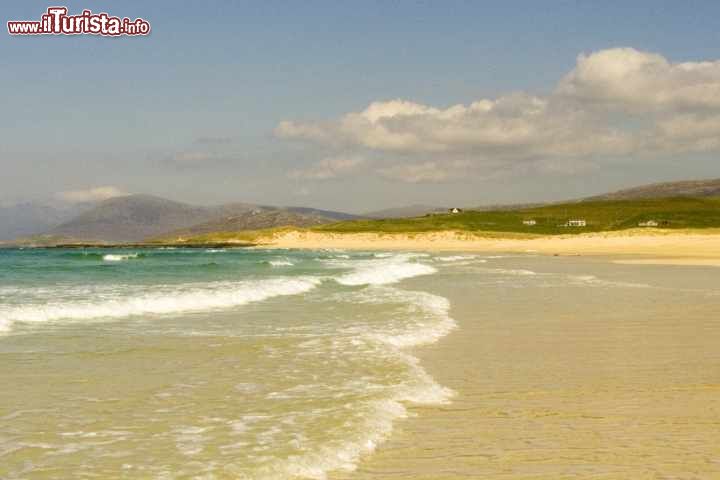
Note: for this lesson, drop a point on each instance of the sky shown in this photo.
(359, 106)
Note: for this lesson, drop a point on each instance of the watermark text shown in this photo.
(56, 21)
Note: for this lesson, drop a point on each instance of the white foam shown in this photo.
(428, 321)
(390, 269)
(432, 322)
(426, 316)
(215, 250)
(593, 280)
(113, 257)
(281, 263)
(345, 455)
(457, 258)
(162, 300)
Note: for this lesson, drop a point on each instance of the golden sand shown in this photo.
(569, 383)
(695, 244)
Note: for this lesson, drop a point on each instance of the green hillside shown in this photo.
(675, 213)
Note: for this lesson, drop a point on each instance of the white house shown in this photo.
(455, 210)
(529, 222)
(649, 223)
(577, 223)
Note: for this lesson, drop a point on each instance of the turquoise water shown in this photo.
(208, 363)
(280, 364)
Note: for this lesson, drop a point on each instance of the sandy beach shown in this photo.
(696, 247)
(552, 384)
(275, 364)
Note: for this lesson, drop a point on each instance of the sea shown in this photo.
(209, 363)
(212, 363)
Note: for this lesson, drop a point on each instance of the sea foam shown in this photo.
(457, 258)
(426, 319)
(385, 270)
(161, 300)
(280, 263)
(427, 316)
(113, 257)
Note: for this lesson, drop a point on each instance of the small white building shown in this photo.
(530, 222)
(455, 210)
(649, 223)
(580, 222)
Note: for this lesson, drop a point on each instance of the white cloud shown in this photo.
(328, 168)
(630, 79)
(688, 133)
(615, 103)
(94, 194)
(516, 125)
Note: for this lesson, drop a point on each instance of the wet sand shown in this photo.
(559, 383)
(710, 262)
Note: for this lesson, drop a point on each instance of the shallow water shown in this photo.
(355, 365)
(209, 364)
(567, 368)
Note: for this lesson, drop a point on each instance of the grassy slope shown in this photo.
(600, 215)
(676, 213)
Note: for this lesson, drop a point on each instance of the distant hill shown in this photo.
(30, 218)
(685, 188)
(405, 212)
(509, 206)
(599, 216)
(134, 218)
(256, 219)
(323, 213)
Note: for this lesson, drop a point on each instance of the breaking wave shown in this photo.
(280, 263)
(116, 257)
(426, 319)
(385, 270)
(161, 300)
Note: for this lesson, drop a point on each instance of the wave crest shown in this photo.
(386, 270)
(164, 300)
(117, 257)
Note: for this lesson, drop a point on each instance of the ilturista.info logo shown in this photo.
(56, 21)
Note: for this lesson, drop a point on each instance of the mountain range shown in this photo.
(134, 218)
(685, 188)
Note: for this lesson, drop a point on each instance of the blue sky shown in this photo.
(191, 111)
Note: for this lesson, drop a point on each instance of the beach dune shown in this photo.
(699, 247)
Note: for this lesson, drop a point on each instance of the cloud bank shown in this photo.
(614, 103)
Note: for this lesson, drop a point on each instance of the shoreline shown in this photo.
(550, 392)
(133, 245)
(679, 247)
(635, 246)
